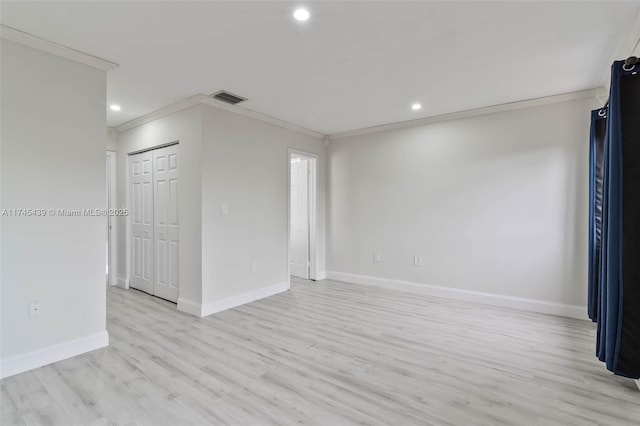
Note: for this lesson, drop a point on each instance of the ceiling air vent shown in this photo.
(227, 97)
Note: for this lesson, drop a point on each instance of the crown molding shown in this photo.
(207, 100)
(17, 36)
(202, 99)
(547, 100)
(159, 113)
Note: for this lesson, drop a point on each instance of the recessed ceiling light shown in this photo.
(301, 14)
(417, 106)
(115, 107)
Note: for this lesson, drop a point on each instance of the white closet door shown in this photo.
(165, 183)
(141, 180)
(299, 244)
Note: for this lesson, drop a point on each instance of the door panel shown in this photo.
(141, 182)
(299, 232)
(165, 178)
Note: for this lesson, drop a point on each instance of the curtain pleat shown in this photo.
(596, 165)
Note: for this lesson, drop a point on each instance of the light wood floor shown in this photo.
(330, 354)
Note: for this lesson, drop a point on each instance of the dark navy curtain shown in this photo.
(614, 220)
(596, 165)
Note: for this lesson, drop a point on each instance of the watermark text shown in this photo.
(64, 212)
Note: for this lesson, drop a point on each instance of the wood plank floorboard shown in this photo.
(328, 353)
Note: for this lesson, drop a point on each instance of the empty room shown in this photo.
(320, 212)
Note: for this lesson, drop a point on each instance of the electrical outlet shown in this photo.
(417, 261)
(224, 209)
(35, 309)
(252, 267)
(377, 258)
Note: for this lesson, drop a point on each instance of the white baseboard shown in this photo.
(122, 283)
(321, 275)
(204, 309)
(190, 307)
(241, 299)
(532, 305)
(21, 363)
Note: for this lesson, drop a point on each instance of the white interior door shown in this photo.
(165, 183)
(299, 219)
(141, 181)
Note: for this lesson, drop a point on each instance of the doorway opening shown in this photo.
(302, 215)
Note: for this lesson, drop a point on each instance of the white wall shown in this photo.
(494, 203)
(52, 156)
(246, 165)
(112, 139)
(185, 127)
(225, 158)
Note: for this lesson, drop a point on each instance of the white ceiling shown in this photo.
(352, 65)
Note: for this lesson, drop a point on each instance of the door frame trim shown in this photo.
(153, 148)
(313, 212)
